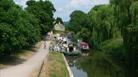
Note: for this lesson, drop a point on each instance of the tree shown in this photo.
(80, 25)
(79, 20)
(134, 13)
(59, 20)
(83, 34)
(43, 11)
(102, 19)
(126, 18)
(18, 29)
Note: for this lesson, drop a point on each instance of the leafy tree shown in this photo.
(18, 28)
(102, 19)
(126, 18)
(79, 20)
(134, 13)
(43, 11)
(83, 34)
(59, 20)
(80, 25)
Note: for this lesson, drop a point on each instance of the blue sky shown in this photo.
(65, 7)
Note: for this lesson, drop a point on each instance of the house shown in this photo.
(59, 27)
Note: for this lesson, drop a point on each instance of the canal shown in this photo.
(80, 66)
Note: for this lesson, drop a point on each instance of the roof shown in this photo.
(59, 27)
(84, 45)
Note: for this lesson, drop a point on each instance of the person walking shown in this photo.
(45, 44)
(45, 41)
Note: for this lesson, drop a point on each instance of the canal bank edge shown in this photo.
(69, 70)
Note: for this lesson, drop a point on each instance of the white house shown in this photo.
(59, 27)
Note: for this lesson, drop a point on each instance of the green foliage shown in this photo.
(18, 29)
(83, 34)
(96, 26)
(79, 20)
(126, 17)
(134, 12)
(102, 19)
(106, 63)
(80, 25)
(43, 11)
(59, 20)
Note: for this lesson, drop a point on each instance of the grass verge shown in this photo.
(54, 66)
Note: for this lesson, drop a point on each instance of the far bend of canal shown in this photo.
(80, 65)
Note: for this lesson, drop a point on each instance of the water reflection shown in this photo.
(78, 72)
(77, 67)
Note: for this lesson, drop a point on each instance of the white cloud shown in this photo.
(86, 3)
(60, 9)
(21, 2)
(97, 2)
(78, 3)
(65, 10)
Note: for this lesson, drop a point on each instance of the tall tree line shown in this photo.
(20, 28)
(96, 26)
(126, 13)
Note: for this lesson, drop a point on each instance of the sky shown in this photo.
(65, 7)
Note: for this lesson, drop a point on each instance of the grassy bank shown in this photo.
(54, 66)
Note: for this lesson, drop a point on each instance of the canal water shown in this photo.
(78, 72)
(80, 66)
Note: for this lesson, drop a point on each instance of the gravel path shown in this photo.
(25, 69)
